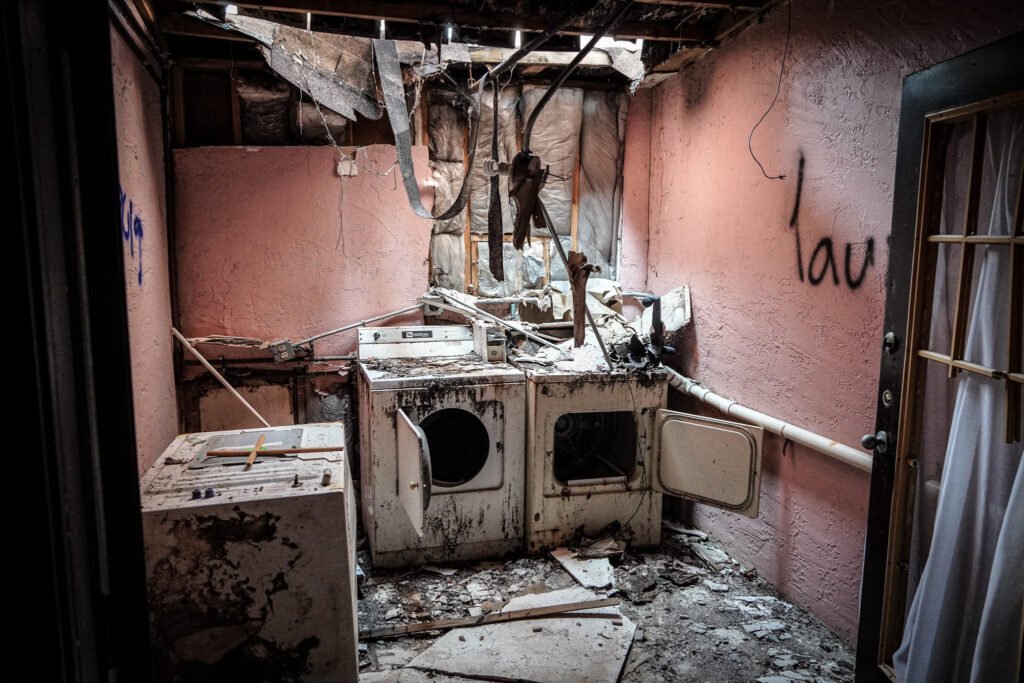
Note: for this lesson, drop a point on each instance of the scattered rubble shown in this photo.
(697, 615)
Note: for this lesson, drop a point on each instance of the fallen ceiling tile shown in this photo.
(590, 573)
(557, 649)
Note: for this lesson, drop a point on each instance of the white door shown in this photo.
(709, 461)
(413, 470)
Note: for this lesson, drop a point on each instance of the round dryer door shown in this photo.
(460, 446)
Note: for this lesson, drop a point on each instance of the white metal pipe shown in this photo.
(817, 442)
(216, 374)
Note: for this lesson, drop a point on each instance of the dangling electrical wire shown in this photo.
(778, 89)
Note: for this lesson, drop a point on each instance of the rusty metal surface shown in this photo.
(255, 582)
(482, 517)
(555, 510)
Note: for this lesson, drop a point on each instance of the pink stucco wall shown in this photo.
(273, 243)
(636, 193)
(140, 157)
(804, 353)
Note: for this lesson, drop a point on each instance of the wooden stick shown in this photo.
(227, 453)
(492, 618)
(255, 451)
(220, 378)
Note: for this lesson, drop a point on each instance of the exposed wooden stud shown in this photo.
(210, 64)
(408, 11)
(178, 103)
(696, 4)
(236, 109)
(183, 25)
(574, 215)
(497, 55)
(531, 71)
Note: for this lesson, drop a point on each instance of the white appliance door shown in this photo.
(709, 461)
(413, 470)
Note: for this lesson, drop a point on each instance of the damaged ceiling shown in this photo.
(675, 32)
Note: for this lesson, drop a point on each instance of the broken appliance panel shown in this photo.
(601, 449)
(252, 569)
(442, 458)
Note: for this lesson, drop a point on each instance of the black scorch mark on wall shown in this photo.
(823, 259)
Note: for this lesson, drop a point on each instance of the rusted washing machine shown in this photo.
(251, 569)
(442, 447)
(602, 448)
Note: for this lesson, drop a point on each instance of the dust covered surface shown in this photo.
(698, 619)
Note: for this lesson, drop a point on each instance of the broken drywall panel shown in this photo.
(448, 261)
(628, 63)
(675, 310)
(335, 70)
(555, 139)
(588, 572)
(600, 187)
(508, 146)
(546, 650)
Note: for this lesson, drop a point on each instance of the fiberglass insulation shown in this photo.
(600, 198)
(556, 137)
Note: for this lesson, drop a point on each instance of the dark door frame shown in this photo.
(74, 540)
(986, 72)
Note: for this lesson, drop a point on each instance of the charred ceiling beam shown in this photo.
(723, 4)
(667, 25)
(664, 59)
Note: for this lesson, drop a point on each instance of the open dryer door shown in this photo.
(709, 461)
(413, 470)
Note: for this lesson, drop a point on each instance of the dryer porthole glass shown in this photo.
(459, 446)
(597, 445)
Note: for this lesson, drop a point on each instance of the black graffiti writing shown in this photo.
(823, 258)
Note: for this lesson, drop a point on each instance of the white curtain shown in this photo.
(966, 619)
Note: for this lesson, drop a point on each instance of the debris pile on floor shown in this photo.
(684, 612)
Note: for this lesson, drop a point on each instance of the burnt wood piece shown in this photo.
(579, 273)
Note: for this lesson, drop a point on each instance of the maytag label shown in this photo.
(418, 334)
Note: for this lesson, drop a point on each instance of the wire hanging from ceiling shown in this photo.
(778, 89)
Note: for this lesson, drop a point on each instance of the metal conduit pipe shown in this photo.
(817, 442)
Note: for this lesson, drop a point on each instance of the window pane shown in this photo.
(987, 320)
(957, 173)
(1000, 179)
(943, 310)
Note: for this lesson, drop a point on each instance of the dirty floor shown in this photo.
(700, 616)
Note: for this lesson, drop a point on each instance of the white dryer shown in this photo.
(442, 458)
(602, 448)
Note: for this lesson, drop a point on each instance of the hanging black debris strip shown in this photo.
(495, 229)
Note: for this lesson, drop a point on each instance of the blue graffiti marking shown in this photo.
(131, 230)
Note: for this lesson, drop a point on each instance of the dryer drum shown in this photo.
(595, 445)
(458, 444)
